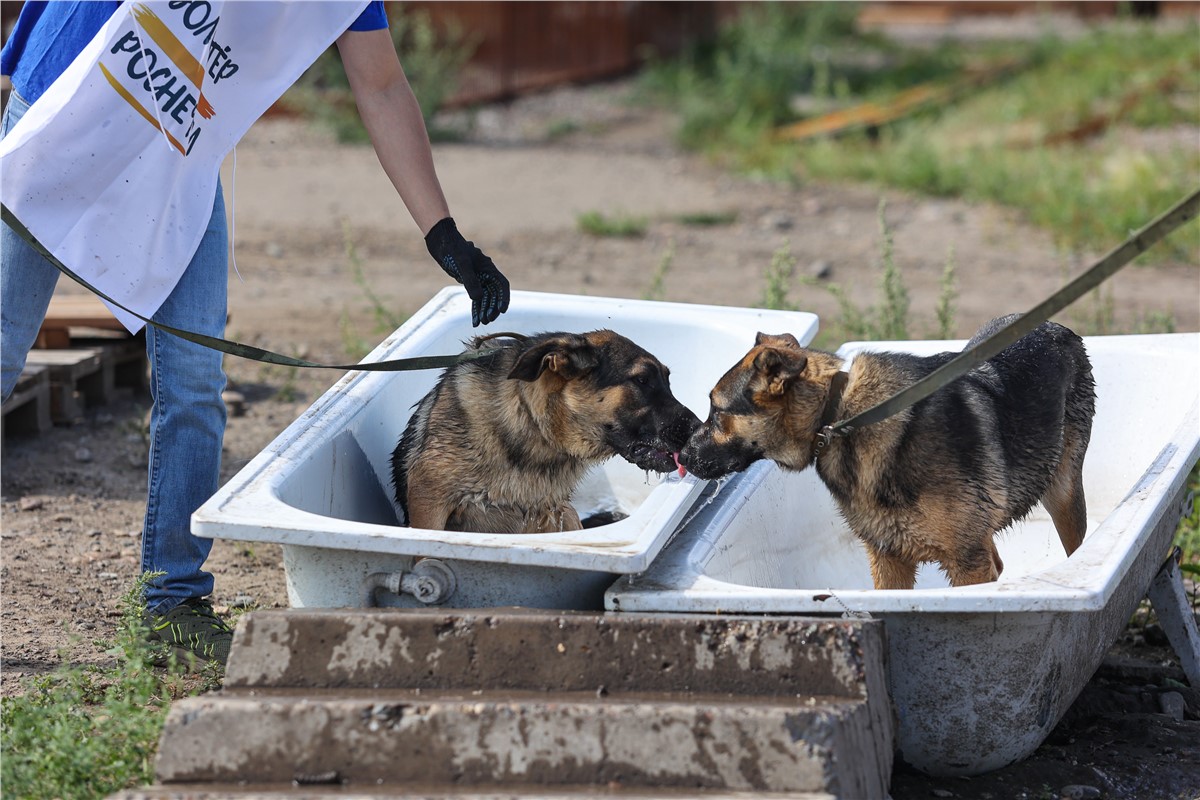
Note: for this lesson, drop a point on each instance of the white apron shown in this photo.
(114, 169)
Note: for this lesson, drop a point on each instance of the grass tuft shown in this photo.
(595, 223)
(85, 732)
(384, 319)
(1059, 139)
(657, 290)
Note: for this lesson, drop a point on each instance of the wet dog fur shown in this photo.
(500, 443)
(936, 481)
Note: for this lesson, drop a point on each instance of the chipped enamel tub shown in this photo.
(323, 488)
(979, 675)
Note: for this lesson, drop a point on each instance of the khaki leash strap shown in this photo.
(1138, 243)
(237, 348)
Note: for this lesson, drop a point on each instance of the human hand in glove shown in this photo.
(466, 263)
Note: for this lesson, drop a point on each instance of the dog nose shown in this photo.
(684, 425)
(678, 429)
(689, 458)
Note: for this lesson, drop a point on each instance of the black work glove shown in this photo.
(467, 264)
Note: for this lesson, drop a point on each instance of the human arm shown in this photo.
(393, 120)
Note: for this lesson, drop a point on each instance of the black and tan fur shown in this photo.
(500, 442)
(936, 481)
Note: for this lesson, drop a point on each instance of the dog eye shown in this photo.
(641, 380)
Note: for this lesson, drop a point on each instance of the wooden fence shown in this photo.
(523, 46)
(526, 46)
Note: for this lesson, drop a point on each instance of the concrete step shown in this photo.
(195, 791)
(514, 698)
(558, 738)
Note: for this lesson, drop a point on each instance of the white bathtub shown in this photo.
(981, 674)
(323, 488)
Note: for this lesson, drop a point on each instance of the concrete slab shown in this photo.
(288, 792)
(561, 701)
(546, 738)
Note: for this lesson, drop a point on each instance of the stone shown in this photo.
(1173, 705)
(820, 269)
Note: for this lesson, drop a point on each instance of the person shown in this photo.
(187, 421)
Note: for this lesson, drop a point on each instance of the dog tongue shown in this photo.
(682, 469)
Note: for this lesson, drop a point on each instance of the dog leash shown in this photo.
(237, 348)
(1140, 241)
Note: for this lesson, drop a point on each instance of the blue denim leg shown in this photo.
(26, 285)
(187, 423)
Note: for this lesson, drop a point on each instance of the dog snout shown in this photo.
(708, 460)
(679, 429)
(691, 455)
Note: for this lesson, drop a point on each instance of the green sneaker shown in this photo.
(191, 630)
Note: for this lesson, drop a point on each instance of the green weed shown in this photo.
(657, 289)
(560, 128)
(994, 145)
(1187, 535)
(708, 219)
(1051, 140)
(598, 224)
(777, 280)
(735, 88)
(86, 732)
(893, 314)
(384, 318)
(284, 378)
(1095, 315)
(947, 294)
(889, 320)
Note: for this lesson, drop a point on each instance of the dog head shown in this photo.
(601, 394)
(768, 405)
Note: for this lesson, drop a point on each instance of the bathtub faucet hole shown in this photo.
(430, 581)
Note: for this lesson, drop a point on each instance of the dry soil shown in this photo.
(73, 498)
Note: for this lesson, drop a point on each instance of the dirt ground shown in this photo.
(73, 498)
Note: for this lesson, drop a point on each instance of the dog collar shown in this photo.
(837, 385)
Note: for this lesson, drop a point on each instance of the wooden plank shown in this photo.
(82, 309)
(73, 373)
(125, 356)
(90, 376)
(28, 408)
(67, 312)
(73, 362)
(522, 47)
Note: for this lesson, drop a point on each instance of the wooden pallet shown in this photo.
(75, 316)
(28, 409)
(92, 373)
(76, 375)
(82, 357)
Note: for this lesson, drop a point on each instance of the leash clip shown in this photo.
(824, 437)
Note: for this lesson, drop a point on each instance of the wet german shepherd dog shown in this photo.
(936, 481)
(500, 442)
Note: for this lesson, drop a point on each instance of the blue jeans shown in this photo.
(187, 420)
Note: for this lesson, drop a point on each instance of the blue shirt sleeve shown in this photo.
(46, 39)
(373, 17)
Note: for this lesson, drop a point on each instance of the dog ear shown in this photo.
(776, 340)
(567, 357)
(779, 367)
